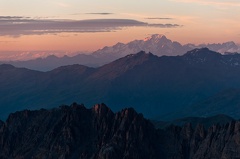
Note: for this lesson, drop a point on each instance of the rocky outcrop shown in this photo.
(218, 142)
(77, 132)
(98, 133)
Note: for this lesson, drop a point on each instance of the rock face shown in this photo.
(98, 133)
(218, 142)
(77, 132)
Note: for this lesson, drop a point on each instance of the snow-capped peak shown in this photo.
(155, 37)
(160, 45)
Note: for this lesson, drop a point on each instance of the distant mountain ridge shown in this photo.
(52, 62)
(155, 86)
(207, 122)
(160, 45)
(157, 44)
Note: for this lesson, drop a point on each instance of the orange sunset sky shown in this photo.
(84, 26)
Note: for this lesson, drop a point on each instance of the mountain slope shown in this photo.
(155, 86)
(224, 102)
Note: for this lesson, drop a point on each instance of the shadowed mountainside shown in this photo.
(154, 86)
(206, 122)
(77, 132)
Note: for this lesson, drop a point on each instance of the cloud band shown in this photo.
(18, 26)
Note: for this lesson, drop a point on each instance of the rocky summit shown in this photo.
(77, 132)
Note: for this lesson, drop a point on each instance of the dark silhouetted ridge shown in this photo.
(77, 132)
(122, 65)
(207, 122)
(202, 52)
(6, 66)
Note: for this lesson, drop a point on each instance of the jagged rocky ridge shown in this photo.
(77, 132)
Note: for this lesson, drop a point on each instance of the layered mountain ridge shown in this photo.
(160, 45)
(77, 132)
(157, 44)
(158, 87)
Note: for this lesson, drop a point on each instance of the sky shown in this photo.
(70, 26)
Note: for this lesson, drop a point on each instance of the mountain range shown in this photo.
(161, 88)
(157, 44)
(77, 132)
(160, 45)
(207, 122)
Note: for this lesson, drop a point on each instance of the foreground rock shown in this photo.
(77, 132)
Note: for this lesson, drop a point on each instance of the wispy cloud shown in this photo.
(18, 26)
(11, 17)
(218, 3)
(164, 25)
(104, 13)
(158, 18)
